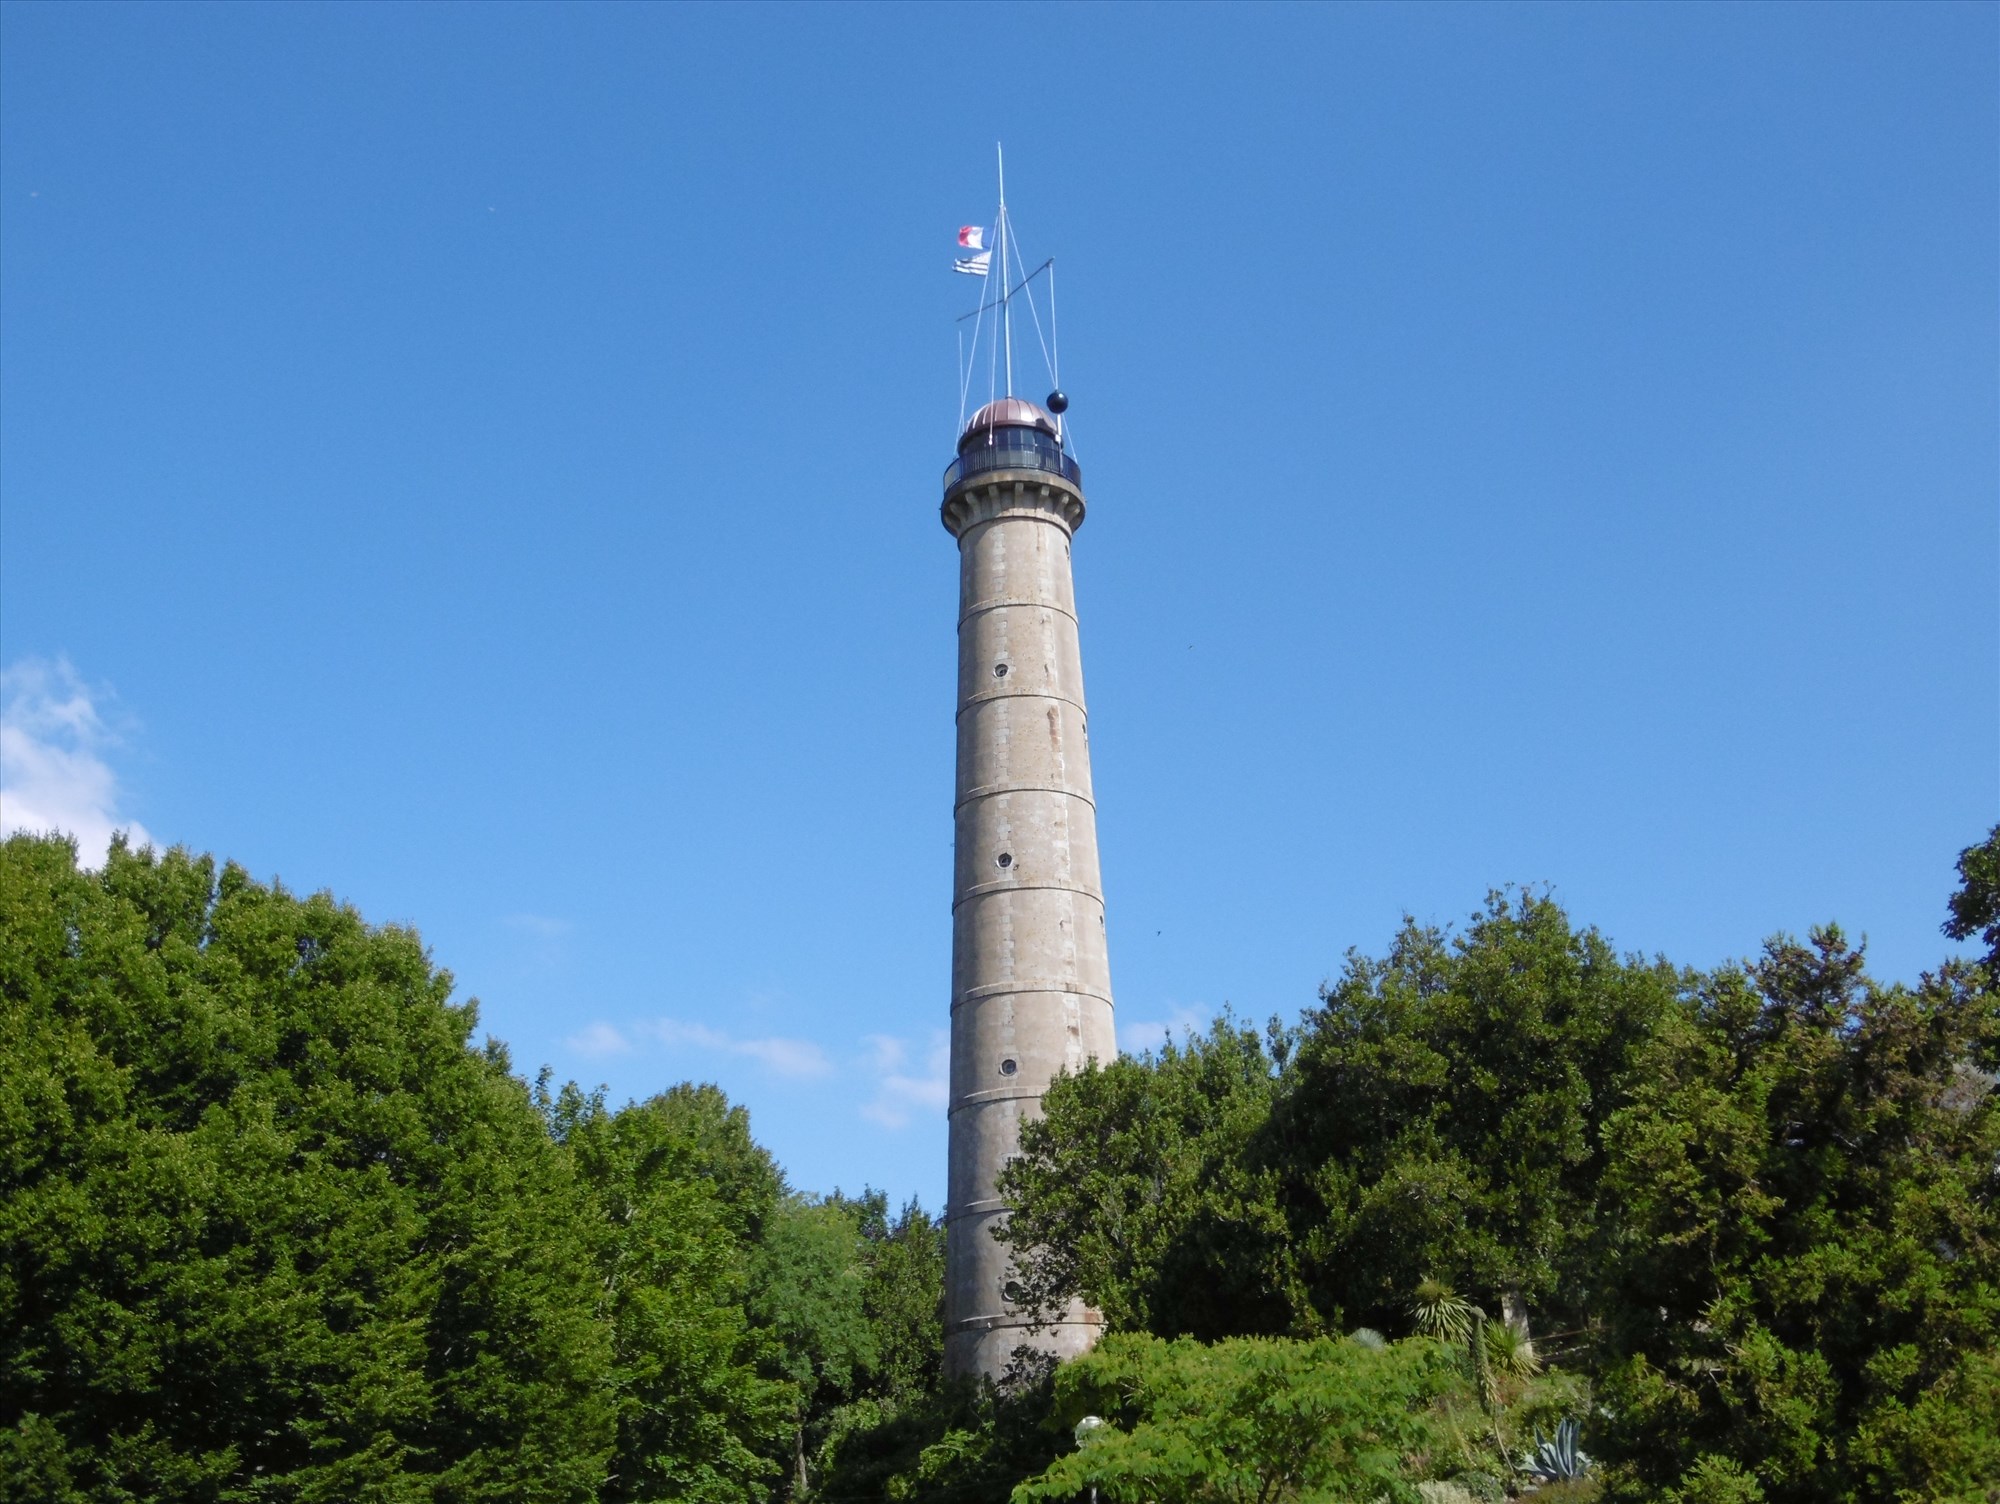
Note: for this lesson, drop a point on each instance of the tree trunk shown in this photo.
(1514, 1314)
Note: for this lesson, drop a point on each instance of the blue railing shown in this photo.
(1012, 449)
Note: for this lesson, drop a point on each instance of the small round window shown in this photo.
(999, 670)
(1005, 859)
(1013, 1293)
(1009, 1066)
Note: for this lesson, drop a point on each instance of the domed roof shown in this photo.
(1009, 412)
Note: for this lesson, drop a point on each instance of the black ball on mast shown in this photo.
(1058, 402)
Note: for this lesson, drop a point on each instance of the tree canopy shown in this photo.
(1507, 1211)
(268, 1226)
(1755, 1206)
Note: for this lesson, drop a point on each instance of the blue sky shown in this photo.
(483, 461)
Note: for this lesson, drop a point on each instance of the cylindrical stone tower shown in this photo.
(1030, 986)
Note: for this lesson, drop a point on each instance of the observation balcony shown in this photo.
(1011, 449)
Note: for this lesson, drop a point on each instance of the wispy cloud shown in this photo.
(599, 1039)
(797, 1059)
(541, 926)
(900, 1088)
(1137, 1035)
(53, 775)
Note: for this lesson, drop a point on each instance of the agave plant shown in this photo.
(1439, 1311)
(1553, 1461)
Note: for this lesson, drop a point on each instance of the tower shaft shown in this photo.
(1031, 984)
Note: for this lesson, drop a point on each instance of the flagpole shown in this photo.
(1006, 314)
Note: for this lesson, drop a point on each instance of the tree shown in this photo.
(678, 1186)
(1441, 1116)
(1802, 1286)
(268, 1225)
(1137, 1190)
(1975, 907)
(902, 1296)
(808, 1299)
(1246, 1421)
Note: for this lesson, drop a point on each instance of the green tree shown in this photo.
(857, 1443)
(808, 1299)
(1137, 1190)
(902, 1296)
(678, 1185)
(1802, 1287)
(1442, 1114)
(1975, 907)
(269, 1228)
(1247, 1421)
(1439, 1115)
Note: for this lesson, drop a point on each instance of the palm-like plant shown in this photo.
(1439, 1311)
(1510, 1352)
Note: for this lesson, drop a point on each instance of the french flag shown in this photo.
(972, 237)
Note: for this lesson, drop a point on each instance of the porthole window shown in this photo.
(1009, 1066)
(1013, 1293)
(1005, 859)
(999, 670)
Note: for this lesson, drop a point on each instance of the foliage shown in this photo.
(1975, 907)
(678, 1187)
(268, 1227)
(271, 1228)
(1509, 1352)
(1136, 1190)
(902, 1296)
(963, 1442)
(866, 1429)
(1248, 1419)
(1442, 1111)
(806, 1299)
(1805, 1279)
(1756, 1204)
(1439, 1311)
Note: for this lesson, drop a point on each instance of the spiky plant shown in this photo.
(1510, 1352)
(1559, 1459)
(1439, 1311)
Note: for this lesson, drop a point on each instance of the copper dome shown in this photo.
(1009, 412)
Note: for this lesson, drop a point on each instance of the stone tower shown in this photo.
(1030, 985)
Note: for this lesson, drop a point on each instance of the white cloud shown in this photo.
(52, 773)
(898, 1090)
(541, 926)
(1137, 1035)
(797, 1059)
(598, 1039)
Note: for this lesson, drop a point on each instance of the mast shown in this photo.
(1006, 314)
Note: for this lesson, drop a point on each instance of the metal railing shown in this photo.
(1031, 451)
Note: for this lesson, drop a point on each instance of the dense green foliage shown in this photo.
(268, 1228)
(680, 1193)
(1440, 1113)
(1245, 1420)
(273, 1227)
(1804, 1276)
(1756, 1205)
